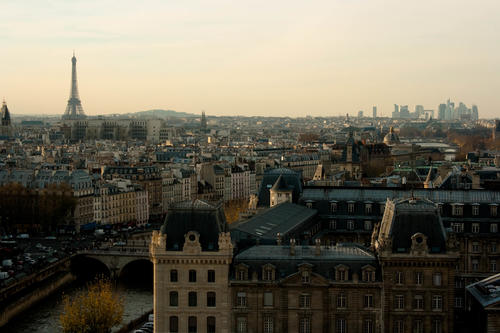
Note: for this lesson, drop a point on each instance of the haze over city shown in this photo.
(279, 58)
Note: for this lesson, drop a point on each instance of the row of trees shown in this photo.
(24, 209)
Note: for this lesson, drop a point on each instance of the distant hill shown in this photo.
(163, 114)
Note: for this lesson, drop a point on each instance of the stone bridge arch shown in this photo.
(115, 261)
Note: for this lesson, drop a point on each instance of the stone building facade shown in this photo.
(403, 283)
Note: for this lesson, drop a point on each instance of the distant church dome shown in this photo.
(391, 138)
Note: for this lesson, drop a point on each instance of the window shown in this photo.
(399, 326)
(399, 277)
(305, 325)
(241, 275)
(475, 264)
(475, 210)
(368, 301)
(210, 299)
(268, 298)
(192, 275)
(459, 302)
(333, 224)
(493, 247)
(333, 207)
(241, 325)
(475, 247)
(192, 298)
(457, 210)
(368, 275)
(192, 324)
(305, 277)
(368, 326)
(267, 274)
(436, 279)
(309, 204)
(173, 324)
(210, 324)
(475, 228)
(304, 301)
(241, 299)
(494, 228)
(436, 326)
(457, 227)
(341, 274)
(340, 325)
(368, 208)
(493, 210)
(437, 302)
(399, 302)
(419, 278)
(341, 301)
(268, 324)
(493, 266)
(418, 326)
(418, 302)
(350, 225)
(173, 275)
(211, 275)
(368, 225)
(350, 207)
(174, 298)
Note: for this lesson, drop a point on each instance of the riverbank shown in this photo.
(46, 288)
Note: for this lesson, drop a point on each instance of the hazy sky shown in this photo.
(250, 57)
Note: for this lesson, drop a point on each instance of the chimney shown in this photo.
(317, 248)
(292, 247)
(278, 238)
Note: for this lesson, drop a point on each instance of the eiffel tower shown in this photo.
(74, 109)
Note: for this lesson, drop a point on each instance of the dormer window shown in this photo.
(306, 277)
(493, 210)
(341, 273)
(475, 209)
(457, 209)
(368, 274)
(333, 224)
(368, 208)
(268, 273)
(350, 225)
(350, 207)
(333, 206)
(241, 272)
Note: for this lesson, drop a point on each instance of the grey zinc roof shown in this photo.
(347, 252)
(379, 195)
(281, 218)
(487, 291)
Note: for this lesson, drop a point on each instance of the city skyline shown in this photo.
(321, 59)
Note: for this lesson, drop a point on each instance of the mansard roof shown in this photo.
(406, 217)
(206, 218)
(380, 194)
(353, 256)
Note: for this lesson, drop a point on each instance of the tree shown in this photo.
(95, 311)
(233, 208)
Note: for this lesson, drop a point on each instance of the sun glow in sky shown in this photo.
(238, 57)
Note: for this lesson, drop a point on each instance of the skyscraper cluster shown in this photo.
(449, 112)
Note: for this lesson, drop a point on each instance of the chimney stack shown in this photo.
(317, 248)
(292, 247)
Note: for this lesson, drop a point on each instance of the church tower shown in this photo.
(6, 125)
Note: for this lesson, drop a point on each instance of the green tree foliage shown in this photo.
(95, 311)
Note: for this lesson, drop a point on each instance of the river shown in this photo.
(44, 316)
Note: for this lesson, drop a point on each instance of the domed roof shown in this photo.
(391, 138)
